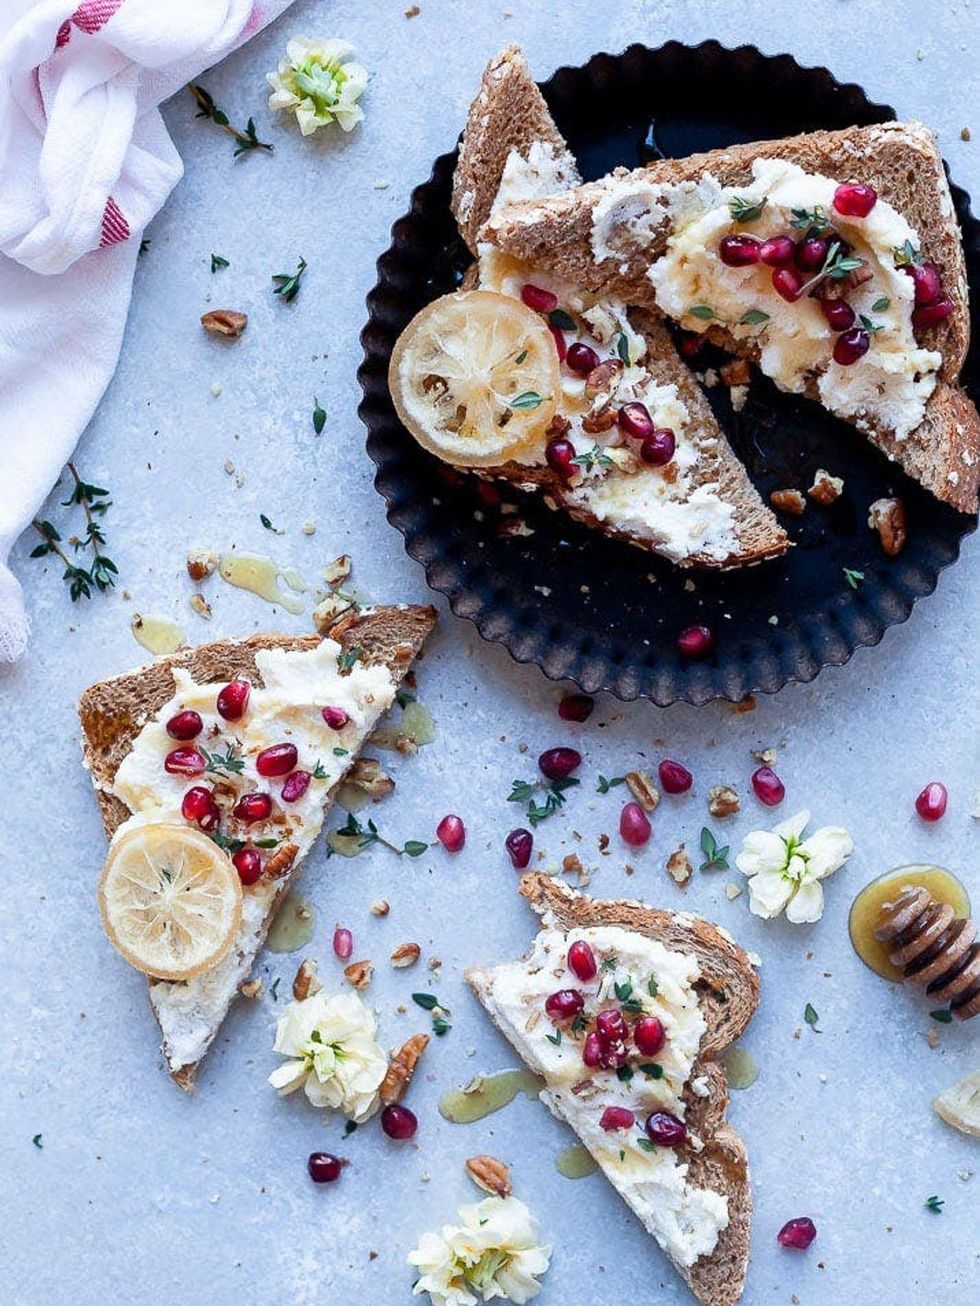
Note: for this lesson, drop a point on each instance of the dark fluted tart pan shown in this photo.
(601, 613)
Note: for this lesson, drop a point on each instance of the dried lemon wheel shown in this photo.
(474, 378)
(170, 899)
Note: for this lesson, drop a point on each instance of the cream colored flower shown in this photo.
(494, 1250)
(785, 870)
(334, 1053)
(315, 82)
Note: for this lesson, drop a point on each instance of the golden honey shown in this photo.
(866, 910)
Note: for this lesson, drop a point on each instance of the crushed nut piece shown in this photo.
(306, 981)
(723, 801)
(406, 745)
(932, 1037)
(406, 954)
(826, 489)
(366, 774)
(790, 501)
(736, 372)
(603, 842)
(338, 570)
(308, 528)
(328, 610)
(412, 11)
(643, 789)
(280, 861)
(201, 563)
(251, 988)
(679, 866)
(733, 891)
(746, 704)
(966, 134)
(887, 517)
(602, 380)
(359, 973)
(765, 756)
(199, 604)
(489, 1174)
(379, 907)
(435, 963)
(224, 322)
(401, 1067)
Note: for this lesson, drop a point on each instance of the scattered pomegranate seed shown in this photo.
(198, 806)
(798, 1233)
(927, 281)
(768, 787)
(576, 707)
(542, 301)
(649, 1036)
(565, 1004)
(738, 251)
(581, 960)
(592, 1050)
(616, 1117)
(398, 1122)
(335, 717)
(253, 807)
(658, 448)
(277, 760)
(488, 494)
(248, 864)
(788, 283)
(839, 314)
(343, 943)
(690, 344)
(929, 314)
(851, 346)
(559, 338)
(676, 779)
(931, 803)
(560, 455)
(233, 700)
(810, 254)
(855, 201)
(696, 641)
(665, 1129)
(777, 251)
(610, 1025)
(557, 763)
(295, 786)
(323, 1167)
(449, 476)
(184, 761)
(634, 825)
(635, 420)
(613, 1055)
(581, 358)
(519, 844)
(185, 725)
(451, 833)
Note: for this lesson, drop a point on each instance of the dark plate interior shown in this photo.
(582, 606)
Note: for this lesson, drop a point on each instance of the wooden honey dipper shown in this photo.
(934, 947)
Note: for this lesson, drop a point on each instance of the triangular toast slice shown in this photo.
(114, 713)
(512, 148)
(694, 1199)
(608, 235)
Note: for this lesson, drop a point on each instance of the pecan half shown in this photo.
(224, 322)
(401, 1067)
(280, 861)
(489, 1174)
(723, 801)
(887, 517)
(306, 980)
(643, 789)
(826, 489)
(790, 501)
(359, 973)
(406, 954)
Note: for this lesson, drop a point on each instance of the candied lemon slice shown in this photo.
(474, 378)
(170, 899)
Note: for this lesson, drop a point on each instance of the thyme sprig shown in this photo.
(288, 286)
(370, 834)
(100, 575)
(524, 791)
(247, 139)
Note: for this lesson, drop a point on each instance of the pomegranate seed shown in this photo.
(519, 844)
(788, 283)
(649, 1036)
(576, 707)
(927, 281)
(838, 312)
(613, 1055)
(488, 494)
(851, 346)
(658, 448)
(616, 1117)
(343, 943)
(564, 1005)
(233, 700)
(185, 725)
(198, 806)
(610, 1025)
(665, 1129)
(335, 717)
(581, 358)
(253, 807)
(295, 786)
(855, 201)
(634, 825)
(277, 760)
(324, 1168)
(738, 251)
(768, 787)
(777, 251)
(592, 1050)
(559, 455)
(449, 476)
(557, 763)
(542, 301)
(559, 338)
(581, 960)
(398, 1122)
(931, 803)
(451, 833)
(696, 641)
(690, 344)
(634, 419)
(676, 779)
(929, 314)
(184, 761)
(248, 864)
(798, 1233)
(810, 254)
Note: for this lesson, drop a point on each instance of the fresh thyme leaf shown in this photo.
(276, 530)
(247, 139)
(521, 358)
(319, 417)
(427, 1001)
(527, 399)
(880, 305)
(218, 262)
(267, 843)
(274, 990)
(744, 210)
(653, 988)
(651, 1068)
(579, 1023)
(610, 963)
(229, 761)
(623, 988)
(347, 659)
(318, 773)
(349, 1128)
(935, 1204)
(440, 1026)
(715, 858)
(644, 1144)
(562, 320)
(906, 255)
(288, 286)
(703, 311)
(624, 1074)
(229, 845)
(36, 1140)
(250, 141)
(605, 785)
(869, 326)
(853, 578)
(415, 848)
(754, 317)
(594, 458)
(814, 218)
(554, 1038)
(944, 1016)
(522, 791)
(811, 1018)
(341, 752)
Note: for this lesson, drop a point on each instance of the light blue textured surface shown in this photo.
(142, 1195)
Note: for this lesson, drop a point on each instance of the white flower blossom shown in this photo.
(785, 870)
(334, 1053)
(494, 1251)
(318, 85)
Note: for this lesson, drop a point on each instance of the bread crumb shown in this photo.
(413, 12)
(309, 528)
(216, 388)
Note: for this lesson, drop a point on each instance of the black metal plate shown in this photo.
(566, 598)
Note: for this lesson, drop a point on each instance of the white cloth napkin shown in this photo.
(85, 162)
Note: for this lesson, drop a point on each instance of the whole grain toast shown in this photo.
(114, 711)
(900, 160)
(509, 114)
(728, 994)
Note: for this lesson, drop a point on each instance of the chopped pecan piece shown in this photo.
(723, 801)
(201, 563)
(224, 322)
(380, 907)
(679, 866)
(887, 517)
(558, 425)
(306, 980)
(338, 570)
(596, 423)
(602, 379)
(489, 1174)
(643, 789)
(359, 973)
(200, 605)
(251, 988)
(401, 1067)
(406, 954)
(826, 489)
(788, 501)
(366, 774)
(327, 611)
(736, 372)
(280, 861)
